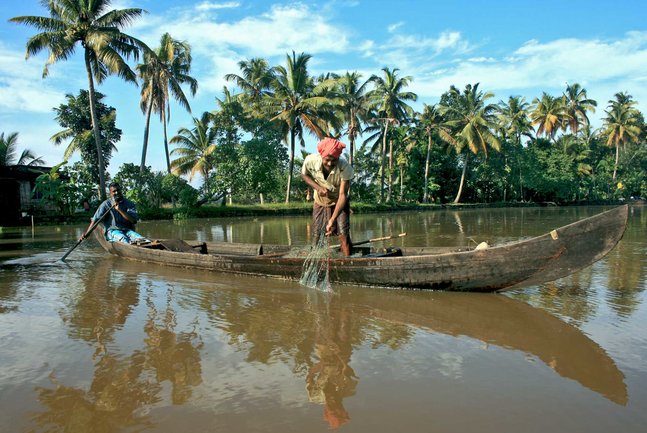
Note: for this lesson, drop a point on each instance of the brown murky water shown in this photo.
(101, 344)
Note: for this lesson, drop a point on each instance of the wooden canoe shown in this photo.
(517, 264)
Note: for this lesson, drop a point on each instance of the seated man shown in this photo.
(119, 218)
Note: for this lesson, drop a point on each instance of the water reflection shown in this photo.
(149, 338)
(330, 377)
(504, 322)
(173, 356)
(627, 265)
(8, 291)
(100, 305)
(123, 383)
(93, 312)
(112, 402)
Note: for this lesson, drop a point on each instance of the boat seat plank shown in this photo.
(229, 248)
(177, 245)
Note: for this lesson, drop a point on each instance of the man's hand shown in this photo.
(323, 192)
(330, 226)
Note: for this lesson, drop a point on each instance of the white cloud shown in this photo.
(33, 134)
(393, 27)
(367, 48)
(21, 85)
(206, 5)
(446, 41)
(613, 65)
(276, 32)
(482, 60)
(271, 34)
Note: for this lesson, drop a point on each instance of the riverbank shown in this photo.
(280, 209)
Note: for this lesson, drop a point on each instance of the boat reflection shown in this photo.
(172, 314)
(511, 324)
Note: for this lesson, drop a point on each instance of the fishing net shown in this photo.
(316, 267)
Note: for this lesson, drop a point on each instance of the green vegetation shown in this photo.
(98, 29)
(8, 149)
(464, 149)
(76, 118)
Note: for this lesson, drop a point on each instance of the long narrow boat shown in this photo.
(501, 267)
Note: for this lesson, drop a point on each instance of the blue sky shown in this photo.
(509, 47)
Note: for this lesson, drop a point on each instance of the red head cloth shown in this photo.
(330, 147)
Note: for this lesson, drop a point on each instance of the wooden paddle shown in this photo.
(385, 238)
(87, 233)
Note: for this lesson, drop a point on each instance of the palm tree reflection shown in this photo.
(627, 267)
(122, 386)
(175, 357)
(113, 402)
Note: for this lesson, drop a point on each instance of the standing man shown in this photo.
(119, 218)
(329, 177)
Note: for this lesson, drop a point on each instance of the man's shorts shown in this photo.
(321, 216)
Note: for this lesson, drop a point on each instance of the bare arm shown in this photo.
(85, 234)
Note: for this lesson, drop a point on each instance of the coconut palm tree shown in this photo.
(514, 122)
(621, 125)
(354, 104)
(577, 104)
(513, 117)
(195, 148)
(98, 29)
(254, 82)
(548, 114)
(8, 149)
(163, 72)
(390, 99)
(473, 122)
(432, 121)
(404, 137)
(230, 110)
(297, 105)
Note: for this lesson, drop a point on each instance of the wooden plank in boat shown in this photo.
(233, 248)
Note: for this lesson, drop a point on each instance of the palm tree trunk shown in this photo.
(615, 166)
(425, 195)
(519, 165)
(382, 157)
(389, 195)
(149, 110)
(95, 127)
(290, 167)
(401, 182)
(205, 176)
(351, 139)
(166, 152)
(460, 188)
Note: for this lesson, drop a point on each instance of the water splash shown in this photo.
(316, 267)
